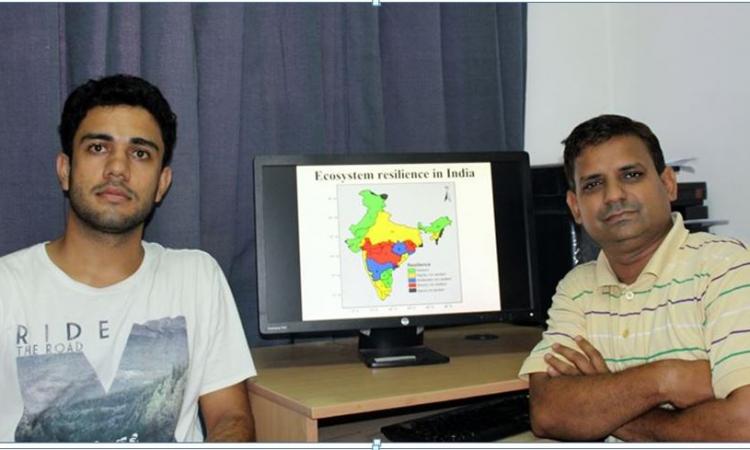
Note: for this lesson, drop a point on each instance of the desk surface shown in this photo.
(326, 379)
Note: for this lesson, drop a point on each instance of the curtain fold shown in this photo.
(249, 79)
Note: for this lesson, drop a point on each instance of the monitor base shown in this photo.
(399, 357)
(396, 347)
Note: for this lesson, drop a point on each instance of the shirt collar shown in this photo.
(677, 235)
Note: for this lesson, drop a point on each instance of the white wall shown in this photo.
(683, 69)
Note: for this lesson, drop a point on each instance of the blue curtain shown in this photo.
(249, 79)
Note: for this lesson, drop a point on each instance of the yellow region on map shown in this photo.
(381, 289)
(383, 230)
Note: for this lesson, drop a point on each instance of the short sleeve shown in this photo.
(566, 321)
(228, 359)
(726, 303)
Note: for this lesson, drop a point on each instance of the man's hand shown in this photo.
(685, 383)
(590, 362)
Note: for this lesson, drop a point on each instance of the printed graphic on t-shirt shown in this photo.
(64, 399)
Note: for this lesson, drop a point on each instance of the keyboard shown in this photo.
(484, 421)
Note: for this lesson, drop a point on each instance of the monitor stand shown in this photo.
(394, 347)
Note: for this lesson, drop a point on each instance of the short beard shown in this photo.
(101, 222)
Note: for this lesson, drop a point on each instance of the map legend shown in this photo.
(412, 279)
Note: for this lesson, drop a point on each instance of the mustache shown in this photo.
(99, 188)
(616, 208)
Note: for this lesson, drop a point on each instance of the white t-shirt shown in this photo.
(122, 363)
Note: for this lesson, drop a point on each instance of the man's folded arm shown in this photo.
(715, 420)
(593, 406)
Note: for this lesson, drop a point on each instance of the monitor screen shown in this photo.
(361, 242)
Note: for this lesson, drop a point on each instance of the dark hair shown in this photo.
(601, 129)
(112, 91)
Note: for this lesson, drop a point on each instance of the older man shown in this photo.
(650, 341)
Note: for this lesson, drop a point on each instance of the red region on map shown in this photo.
(381, 253)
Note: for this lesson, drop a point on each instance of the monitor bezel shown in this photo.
(523, 315)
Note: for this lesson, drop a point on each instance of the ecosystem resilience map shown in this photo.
(386, 245)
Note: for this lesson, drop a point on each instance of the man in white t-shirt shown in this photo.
(104, 337)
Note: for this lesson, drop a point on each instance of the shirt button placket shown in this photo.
(625, 329)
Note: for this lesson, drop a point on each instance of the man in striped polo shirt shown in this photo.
(651, 341)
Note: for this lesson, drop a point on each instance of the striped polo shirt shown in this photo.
(692, 301)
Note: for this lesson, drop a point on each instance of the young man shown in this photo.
(651, 341)
(105, 337)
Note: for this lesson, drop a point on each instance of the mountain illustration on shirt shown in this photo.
(64, 399)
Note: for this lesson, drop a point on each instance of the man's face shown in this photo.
(620, 198)
(115, 176)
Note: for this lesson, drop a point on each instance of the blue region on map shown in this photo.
(377, 269)
(399, 248)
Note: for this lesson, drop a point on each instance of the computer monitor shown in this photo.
(386, 244)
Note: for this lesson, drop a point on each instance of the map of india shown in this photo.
(386, 245)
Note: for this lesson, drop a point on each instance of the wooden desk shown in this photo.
(299, 384)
